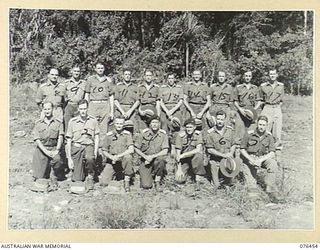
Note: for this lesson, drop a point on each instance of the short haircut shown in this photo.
(154, 117)
(189, 121)
(99, 62)
(263, 118)
(47, 102)
(76, 65)
(53, 69)
(221, 112)
(119, 117)
(83, 101)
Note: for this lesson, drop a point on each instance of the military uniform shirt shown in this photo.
(48, 92)
(48, 134)
(116, 143)
(126, 93)
(221, 142)
(246, 97)
(99, 90)
(83, 132)
(222, 94)
(258, 145)
(148, 96)
(196, 94)
(74, 90)
(171, 95)
(272, 95)
(152, 143)
(186, 143)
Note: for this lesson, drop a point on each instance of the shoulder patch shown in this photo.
(189, 83)
(197, 132)
(211, 130)
(250, 132)
(178, 86)
(162, 131)
(182, 133)
(42, 85)
(74, 118)
(126, 132)
(145, 130)
(229, 127)
(263, 84)
(156, 85)
(280, 83)
(59, 120)
(164, 85)
(110, 133)
(38, 120)
(213, 85)
(119, 83)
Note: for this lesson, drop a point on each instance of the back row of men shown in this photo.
(144, 108)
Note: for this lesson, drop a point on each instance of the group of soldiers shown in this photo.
(208, 130)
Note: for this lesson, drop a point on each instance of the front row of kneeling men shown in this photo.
(85, 145)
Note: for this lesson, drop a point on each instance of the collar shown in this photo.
(79, 119)
(101, 79)
(44, 120)
(74, 80)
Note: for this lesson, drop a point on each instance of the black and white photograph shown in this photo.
(161, 120)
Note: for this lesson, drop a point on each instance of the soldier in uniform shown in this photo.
(246, 95)
(171, 99)
(82, 145)
(221, 143)
(126, 96)
(196, 98)
(221, 96)
(74, 92)
(48, 135)
(272, 93)
(52, 91)
(118, 148)
(149, 99)
(258, 151)
(152, 146)
(189, 152)
(99, 94)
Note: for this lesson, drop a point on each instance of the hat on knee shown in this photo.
(230, 167)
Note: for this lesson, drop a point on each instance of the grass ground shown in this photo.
(177, 206)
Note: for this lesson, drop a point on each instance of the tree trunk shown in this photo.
(187, 59)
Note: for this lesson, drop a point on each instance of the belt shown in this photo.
(79, 145)
(273, 104)
(197, 103)
(98, 101)
(225, 104)
(126, 104)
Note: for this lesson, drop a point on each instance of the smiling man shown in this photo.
(258, 151)
(52, 91)
(117, 147)
(272, 93)
(82, 145)
(48, 135)
(152, 146)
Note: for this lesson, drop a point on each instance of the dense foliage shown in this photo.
(164, 41)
